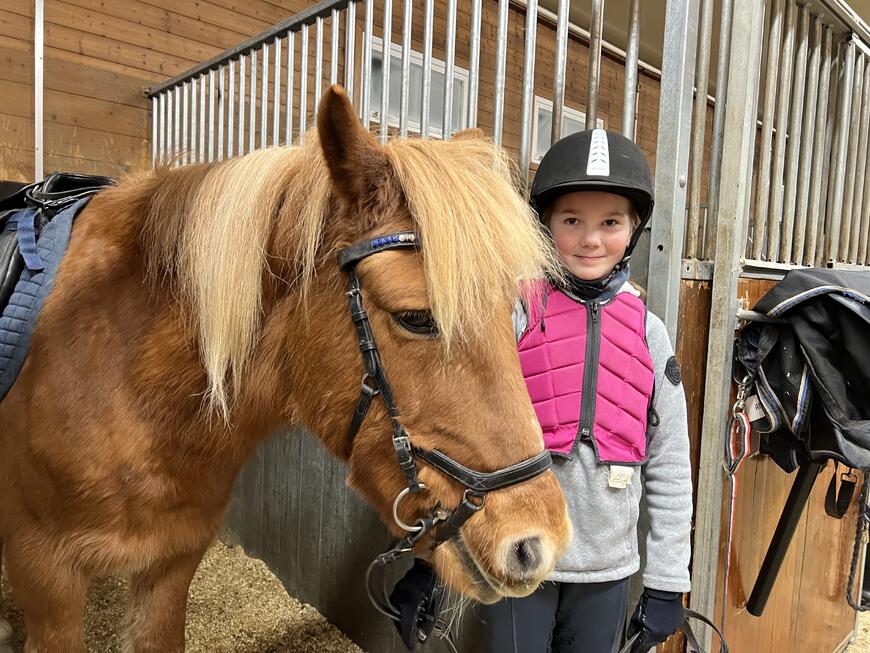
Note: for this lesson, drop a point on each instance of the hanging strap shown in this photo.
(692, 643)
(837, 503)
(860, 539)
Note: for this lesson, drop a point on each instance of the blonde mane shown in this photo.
(479, 237)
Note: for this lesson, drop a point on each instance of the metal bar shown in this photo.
(528, 89)
(699, 128)
(195, 125)
(243, 88)
(349, 48)
(386, 57)
(291, 63)
(185, 122)
(774, 215)
(632, 54)
(176, 125)
(830, 155)
(736, 173)
(303, 84)
(474, 63)
(231, 113)
(211, 116)
(559, 66)
(365, 112)
(155, 103)
(333, 50)
(672, 146)
(808, 144)
(264, 100)
(852, 159)
(716, 141)
(162, 135)
(252, 118)
(500, 61)
(762, 199)
(427, 67)
(276, 96)
(305, 17)
(221, 98)
(818, 170)
(202, 116)
(795, 129)
(861, 173)
(406, 66)
(168, 133)
(450, 55)
(841, 146)
(596, 30)
(38, 88)
(318, 64)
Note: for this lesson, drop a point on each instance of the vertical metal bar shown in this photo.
(38, 87)
(386, 57)
(736, 173)
(672, 146)
(276, 95)
(318, 62)
(406, 67)
(195, 126)
(474, 61)
(211, 100)
(861, 173)
(819, 173)
(841, 152)
(528, 88)
(596, 30)
(632, 53)
(830, 155)
(202, 123)
(303, 84)
(221, 98)
(699, 128)
(500, 61)
(774, 216)
(161, 153)
(252, 118)
(243, 88)
(291, 63)
(231, 110)
(795, 129)
(176, 124)
(762, 199)
(349, 48)
(264, 101)
(185, 122)
(427, 67)
(808, 139)
(852, 159)
(450, 55)
(169, 105)
(365, 100)
(155, 104)
(333, 50)
(722, 71)
(559, 68)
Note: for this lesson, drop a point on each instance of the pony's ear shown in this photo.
(355, 159)
(472, 133)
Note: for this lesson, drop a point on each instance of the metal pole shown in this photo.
(841, 145)
(817, 178)
(38, 88)
(252, 118)
(450, 54)
(176, 124)
(161, 129)
(500, 59)
(303, 84)
(386, 57)
(408, 14)
(595, 37)
(427, 67)
(675, 108)
(221, 98)
(699, 128)
(202, 127)
(474, 64)
(195, 125)
(559, 69)
(365, 112)
(291, 73)
(736, 173)
(861, 174)
(243, 88)
(185, 122)
(276, 95)
(528, 89)
(231, 110)
(830, 155)
(795, 129)
(318, 63)
(349, 48)
(333, 51)
(264, 100)
(211, 99)
(851, 160)
(632, 54)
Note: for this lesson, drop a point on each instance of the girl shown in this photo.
(606, 387)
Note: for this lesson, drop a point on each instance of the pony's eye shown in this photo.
(417, 322)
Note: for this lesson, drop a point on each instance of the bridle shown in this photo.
(444, 524)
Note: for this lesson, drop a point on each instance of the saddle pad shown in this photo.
(19, 315)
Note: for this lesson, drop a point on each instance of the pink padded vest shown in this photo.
(606, 404)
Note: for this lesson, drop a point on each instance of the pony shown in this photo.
(200, 308)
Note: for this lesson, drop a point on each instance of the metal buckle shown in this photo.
(411, 529)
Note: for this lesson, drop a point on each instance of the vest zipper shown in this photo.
(590, 370)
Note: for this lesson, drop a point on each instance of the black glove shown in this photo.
(658, 615)
(417, 597)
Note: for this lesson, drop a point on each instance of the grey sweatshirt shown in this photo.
(605, 543)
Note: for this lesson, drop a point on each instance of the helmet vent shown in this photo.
(599, 155)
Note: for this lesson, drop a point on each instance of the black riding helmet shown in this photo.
(596, 159)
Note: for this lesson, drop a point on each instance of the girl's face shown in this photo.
(591, 230)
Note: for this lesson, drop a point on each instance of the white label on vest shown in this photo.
(754, 409)
(620, 476)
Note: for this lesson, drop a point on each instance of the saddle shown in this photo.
(35, 226)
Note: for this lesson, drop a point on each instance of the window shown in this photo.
(572, 121)
(459, 113)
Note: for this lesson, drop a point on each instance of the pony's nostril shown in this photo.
(527, 555)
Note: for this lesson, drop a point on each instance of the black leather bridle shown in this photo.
(446, 524)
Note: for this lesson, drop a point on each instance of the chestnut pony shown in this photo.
(200, 308)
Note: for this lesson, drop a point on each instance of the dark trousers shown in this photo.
(559, 618)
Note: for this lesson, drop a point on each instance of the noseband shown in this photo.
(446, 524)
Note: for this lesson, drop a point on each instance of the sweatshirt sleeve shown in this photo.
(667, 475)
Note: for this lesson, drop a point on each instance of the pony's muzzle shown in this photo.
(525, 558)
